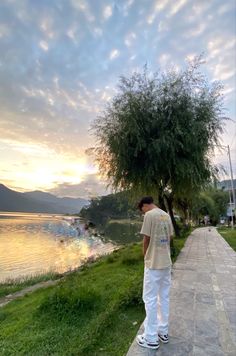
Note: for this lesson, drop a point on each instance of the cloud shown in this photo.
(4, 30)
(129, 39)
(46, 27)
(178, 4)
(61, 66)
(221, 62)
(133, 57)
(44, 45)
(98, 32)
(157, 7)
(89, 187)
(200, 7)
(225, 8)
(28, 149)
(164, 59)
(37, 165)
(197, 31)
(160, 5)
(83, 7)
(107, 12)
(126, 7)
(219, 43)
(223, 72)
(114, 54)
(151, 18)
(72, 34)
(162, 26)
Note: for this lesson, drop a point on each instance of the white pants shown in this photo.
(156, 287)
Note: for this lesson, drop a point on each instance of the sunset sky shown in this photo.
(60, 61)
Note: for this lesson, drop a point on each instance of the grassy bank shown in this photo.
(179, 242)
(229, 235)
(96, 311)
(14, 285)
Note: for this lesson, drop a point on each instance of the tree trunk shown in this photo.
(161, 203)
(169, 201)
(161, 200)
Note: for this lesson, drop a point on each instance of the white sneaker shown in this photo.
(163, 338)
(144, 343)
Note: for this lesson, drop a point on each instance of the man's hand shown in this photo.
(146, 240)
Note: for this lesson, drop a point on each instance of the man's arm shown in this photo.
(146, 240)
(171, 241)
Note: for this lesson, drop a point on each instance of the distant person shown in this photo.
(158, 231)
(79, 230)
(87, 230)
(222, 221)
(206, 220)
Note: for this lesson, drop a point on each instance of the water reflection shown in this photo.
(123, 233)
(31, 244)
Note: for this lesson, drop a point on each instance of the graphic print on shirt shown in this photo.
(161, 232)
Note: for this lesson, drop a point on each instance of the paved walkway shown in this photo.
(202, 300)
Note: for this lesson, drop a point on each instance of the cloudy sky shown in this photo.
(60, 61)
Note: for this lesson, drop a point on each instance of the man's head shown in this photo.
(146, 204)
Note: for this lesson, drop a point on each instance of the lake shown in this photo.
(38, 243)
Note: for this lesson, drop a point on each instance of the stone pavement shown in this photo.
(202, 300)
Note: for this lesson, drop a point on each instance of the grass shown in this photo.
(126, 221)
(229, 235)
(94, 312)
(14, 285)
(179, 242)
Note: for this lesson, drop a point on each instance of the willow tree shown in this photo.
(157, 133)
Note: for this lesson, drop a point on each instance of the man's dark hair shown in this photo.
(145, 200)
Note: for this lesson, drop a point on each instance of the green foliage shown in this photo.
(3, 315)
(130, 258)
(113, 206)
(92, 312)
(178, 242)
(77, 315)
(134, 295)
(66, 299)
(110, 259)
(157, 133)
(229, 235)
(212, 202)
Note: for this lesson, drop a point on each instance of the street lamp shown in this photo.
(232, 183)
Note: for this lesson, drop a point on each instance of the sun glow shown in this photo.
(38, 167)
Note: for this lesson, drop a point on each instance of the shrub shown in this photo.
(68, 300)
(111, 259)
(131, 258)
(134, 294)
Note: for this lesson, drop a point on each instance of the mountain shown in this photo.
(38, 202)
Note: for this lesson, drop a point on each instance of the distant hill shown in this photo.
(38, 202)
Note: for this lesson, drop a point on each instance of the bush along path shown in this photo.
(202, 300)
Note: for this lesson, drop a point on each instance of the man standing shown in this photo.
(158, 232)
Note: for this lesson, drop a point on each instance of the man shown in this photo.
(158, 232)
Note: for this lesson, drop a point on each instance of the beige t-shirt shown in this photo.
(157, 224)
